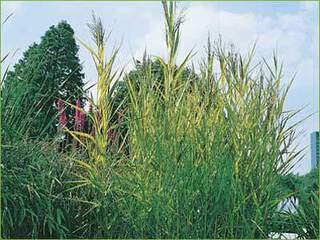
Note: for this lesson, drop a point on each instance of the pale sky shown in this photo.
(290, 28)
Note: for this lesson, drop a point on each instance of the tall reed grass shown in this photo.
(205, 157)
(203, 154)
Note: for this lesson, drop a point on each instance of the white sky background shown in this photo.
(290, 28)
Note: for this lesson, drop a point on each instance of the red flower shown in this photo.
(63, 120)
(79, 117)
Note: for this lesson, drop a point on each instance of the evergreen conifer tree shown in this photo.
(48, 71)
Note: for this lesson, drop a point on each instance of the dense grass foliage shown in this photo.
(196, 155)
(31, 192)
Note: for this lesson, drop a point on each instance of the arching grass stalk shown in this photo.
(99, 172)
(172, 72)
(96, 145)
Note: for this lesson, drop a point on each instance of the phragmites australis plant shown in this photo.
(182, 154)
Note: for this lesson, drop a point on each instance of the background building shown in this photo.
(314, 149)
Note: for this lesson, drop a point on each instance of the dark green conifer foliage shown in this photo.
(48, 71)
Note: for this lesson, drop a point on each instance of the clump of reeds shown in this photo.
(208, 158)
(204, 154)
